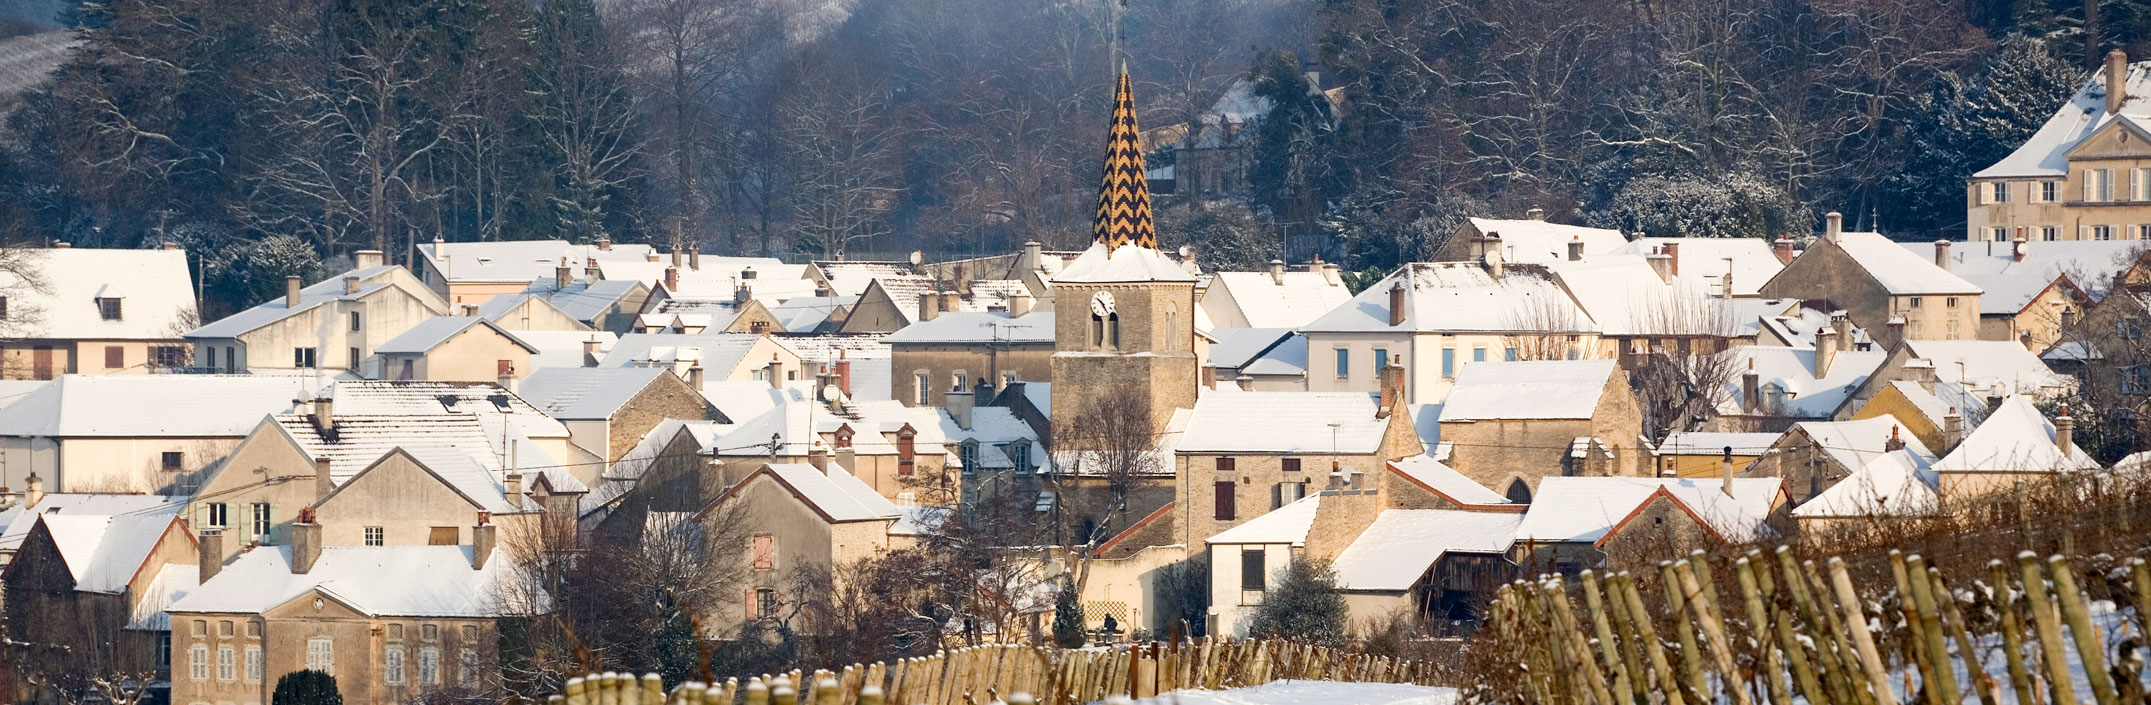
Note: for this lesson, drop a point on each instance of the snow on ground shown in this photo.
(1290, 692)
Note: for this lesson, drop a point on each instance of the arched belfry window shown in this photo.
(1172, 327)
(1519, 491)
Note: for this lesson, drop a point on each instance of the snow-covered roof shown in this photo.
(205, 406)
(154, 287)
(851, 278)
(1460, 297)
(1402, 544)
(371, 279)
(1936, 405)
(2046, 152)
(1990, 367)
(994, 428)
(517, 260)
(1705, 261)
(173, 583)
(1626, 297)
(1715, 443)
(582, 300)
(1267, 302)
(18, 519)
(803, 314)
(382, 581)
(1586, 509)
(1287, 524)
(719, 353)
(1854, 444)
(563, 348)
(105, 551)
(586, 393)
(1796, 322)
(1899, 271)
(2015, 438)
(627, 470)
(1287, 358)
(835, 494)
(977, 327)
(1283, 422)
(1792, 372)
(746, 399)
(1540, 242)
(488, 401)
(432, 332)
(2009, 285)
(1127, 263)
(1897, 484)
(1236, 347)
(1545, 389)
(1434, 475)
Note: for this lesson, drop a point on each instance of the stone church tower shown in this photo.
(1124, 312)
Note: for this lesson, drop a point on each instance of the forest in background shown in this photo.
(268, 136)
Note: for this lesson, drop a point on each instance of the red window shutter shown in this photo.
(765, 552)
(1224, 501)
(752, 603)
(1225, 465)
(115, 357)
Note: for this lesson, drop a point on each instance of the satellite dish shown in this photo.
(2023, 248)
(1185, 251)
(917, 258)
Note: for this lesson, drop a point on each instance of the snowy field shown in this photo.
(1312, 693)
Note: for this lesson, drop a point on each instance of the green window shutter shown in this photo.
(276, 531)
(201, 517)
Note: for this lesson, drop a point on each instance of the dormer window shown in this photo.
(108, 308)
(1019, 453)
(970, 456)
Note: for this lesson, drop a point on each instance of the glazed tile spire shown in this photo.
(1123, 197)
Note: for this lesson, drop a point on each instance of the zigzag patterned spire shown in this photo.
(1123, 197)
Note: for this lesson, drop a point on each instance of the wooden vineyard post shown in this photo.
(1628, 687)
(1953, 620)
(1713, 626)
(1759, 625)
(1878, 678)
(2088, 646)
(1929, 634)
(2020, 679)
(2048, 625)
(1639, 619)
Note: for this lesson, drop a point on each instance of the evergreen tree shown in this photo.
(1288, 171)
(1969, 123)
(584, 116)
(1225, 236)
(1303, 604)
(1068, 631)
(308, 687)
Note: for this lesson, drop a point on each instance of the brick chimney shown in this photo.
(1952, 431)
(324, 479)
(1895, 443)
(929, 306)
(843, 373)
(672, 279)
(2018, 249)
(291, 291)
(1396, 303)
(1672, 251)
(365, 259)
(209, 557)
(1392, 392)
(62, 245)
(2117, 74)
(678, 258)
(483, 537)
(305, 543)
(168, 245)
(1782, 247)
(694, 257)
(1941, 254)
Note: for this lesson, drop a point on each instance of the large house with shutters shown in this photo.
(2085, 175)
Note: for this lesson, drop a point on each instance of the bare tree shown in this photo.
(692, 52)
(1111, 445)
(1680, 378)
(1545, 326)
(842, 149)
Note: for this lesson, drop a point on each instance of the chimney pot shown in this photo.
(2065, 431)
(365, 259)
(33, 490)
(1277, 271)
(1941, 254)
(291, 291)
(2019, 248)
(1725, 472)
(1834, 226)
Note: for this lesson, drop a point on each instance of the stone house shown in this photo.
(1279, 298)
(2015, 444)
(1882, 286)
(1436, 319)
(96, 312)
(21, 515)
(133, 433)
(1771, 387)
(956, 351)
(608, 410)
(2081, 175)
(1814, 455)
(86, 594)
(607, 304)
(799, 315)
(1936, 413)
(899, 451)
(794, 519)
(891, 303)
(1578, 523)
(455, 349)
(330, 325)
(1507, 425)
(1898, 485)
(851, 277)
(668, 473)
(2032, 289)
(1967, 369)
(391, 623)
(1702, 454)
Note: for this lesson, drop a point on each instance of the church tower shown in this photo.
(1124, 312)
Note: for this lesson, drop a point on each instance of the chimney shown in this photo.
(929, 306)
(1842, 323)
(1834, 226)
(818, 456)
(1575, 248)
(590, 350)
(324, 479)
(1673, 252)
(2064, 431)
(1896, 329)
(1019, 305)
(325, 413)
(1330, 274)
(650, 256)
(1921, 371)
(1750, 388)
(169, 245)
(209, 558)
(513, 488)
(1536, 213)
(1246, 383)
(1209, 377)
(506, 379)
(1825, 348)
(2117, 73)
(1895, 443)
(677, 257)
(366, 259)
(563, 275)
(351, 285)
(1941, 254)
(694, 257)
(950, 300)
(33, 490)
(1492, 256)
(604, 243)
(1661, 264)
(672, 279)
(694, 377)
(1392, 392)
(1782, 247)
(483, 536)
(2020, 247)
(959, 405)
(741, 292)
(305, 543)
(1994, 403)
(775, 371)
(291, 291)
(1725, 472)
(1396, 303)
(1034, 255)
(1277, 271)
(62, 245)
(1952, 431)
(843, 374)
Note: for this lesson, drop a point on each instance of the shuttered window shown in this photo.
(1252, 570)
(765, 552)
(1224, 501)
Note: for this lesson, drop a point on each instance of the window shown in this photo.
(3, 308)
(1478, 354)
(1448, 363)
(429, 666)
(1290, 464)
(1252, 570)
(2135, 379)
(198, 662)
(395, 632)
(355, 320)
(2102, 232)
(1381, 359)
(224, 629)
(956, 379)
(108, 308)
(429, 632)
(1227, 464)
(1112, 330)
(261, 519)
(1019, 453)
(2001, 192)
(392, 666)
(765, 601)
(925, 395)
(168, 355)
(1224, 501)
(1950, 302)
(212, 359)
(373, 536)
(302, 357)
(1344, 363)
(443, 536)
(1998, 234)
(227, 664)
(470, 633)
(750, 606)
(467, 667)
(1912, 302)
(164, 655)
(2129, 328)
(2098, 185)
(765, 552)
(219, 515)
(354, 359)
(1509, 354)
(201, 627)
(967, 455)
(115, 357)
(2048, 233)
(173, 460)
(2049, 191)
(253, 664)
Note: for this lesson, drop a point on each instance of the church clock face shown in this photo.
(1101, 303)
